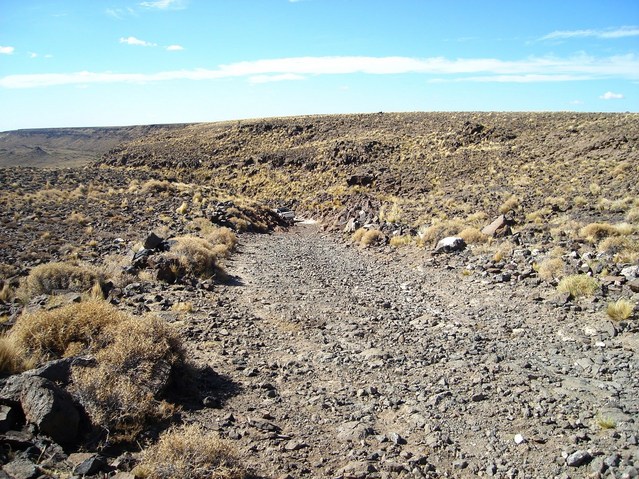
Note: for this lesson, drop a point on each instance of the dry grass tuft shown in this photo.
(578, 285)
(12, 360)
(49, 277)
(6, 293)
(401, 240)
(190, 452)
(222, 236)
(183, 208)
(358, 234)
(551, 269)
(594, 232)
(121, 393)
(65, 331)
(473, 235)
(197, 256)
(620, 309)
(510, 204)
(372, 237)
(152, 186)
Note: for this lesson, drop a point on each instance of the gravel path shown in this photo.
(342, 362)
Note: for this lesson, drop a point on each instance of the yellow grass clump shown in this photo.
(550, 269)
(620, 309)
(473, 235)
(190, 452)
(12, 360)
(49, 277)
(510, 204)
(65, 331)
(578, 285)
(197, 256)
(122, 392)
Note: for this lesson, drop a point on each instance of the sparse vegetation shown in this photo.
(551, 269)
(121, 394)
(578, 285)
(49, 277)
(620, 309)
(65, 331)
(190, 452)
(12, 360)
(605, 422)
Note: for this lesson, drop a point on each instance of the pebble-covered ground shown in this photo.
(345, 362)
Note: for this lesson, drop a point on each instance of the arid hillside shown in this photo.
(65, 147)
(457, 297)
(426, 164)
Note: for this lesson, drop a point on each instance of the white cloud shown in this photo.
(611, 96)
(165, 4)
(621, 32)
(33, 55)
(6, 50)
(136, 41)
(535, 69)
(274, 78)
(175, 48)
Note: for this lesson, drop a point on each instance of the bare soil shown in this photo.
(349, 362)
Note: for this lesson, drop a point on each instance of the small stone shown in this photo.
(578, 458)
(396, 438)
(491, 469)
(519, 439)
(21, 469)
(478, 397)
(295, 445)
(211, 402)
(90, 466)
(460, 464)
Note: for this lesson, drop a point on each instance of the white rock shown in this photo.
(519, 439)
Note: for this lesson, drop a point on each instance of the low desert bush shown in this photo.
(550, 269)
(122, 393)
(633, 215)
(67, 331)
(49, 277)
(605, 422)
(620, 309)
(197, 256)
(578, 285)
(190, 452)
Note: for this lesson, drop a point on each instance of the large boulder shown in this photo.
(499, 227)
(44, 404)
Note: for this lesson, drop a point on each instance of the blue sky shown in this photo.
(122, 62)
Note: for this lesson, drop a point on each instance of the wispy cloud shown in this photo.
(33, 55)
(535, 69)
(6, 50)
(165, 4)
(610, 33)
(611, 96)
(275, 78)
(137, 41)
(120, 13)
(174, 48)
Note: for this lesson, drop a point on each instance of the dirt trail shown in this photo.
(343, 362)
